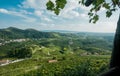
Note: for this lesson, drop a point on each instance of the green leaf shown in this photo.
(98, 2)
(92, 9)
(50, 5)
(90, 20)
(115, 2)
(79, 2)
(60, 3)
(108, 13)
(90, 14)
(106, 5)
(95, 18)
(113, 9)
(57, 11)
(82, 2)
(98, 8)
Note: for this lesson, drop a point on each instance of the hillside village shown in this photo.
(11, 40)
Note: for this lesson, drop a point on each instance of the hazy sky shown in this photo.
(33, 14)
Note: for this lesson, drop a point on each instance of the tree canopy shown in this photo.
(96, 5)
(23, 52)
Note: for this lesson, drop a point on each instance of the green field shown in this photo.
(70, 66)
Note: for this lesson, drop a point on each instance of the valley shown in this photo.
(54, 53)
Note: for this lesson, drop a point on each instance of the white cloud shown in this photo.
(35, 4)
(68, 11)
(85, 8)
(47, 19)
(21, 14)
(69, 14)
(40, 5)
(84, 15)
(25, 12)
(88, 28)
(3, 11)
(72, 11)
(38, 13)
(72, 17)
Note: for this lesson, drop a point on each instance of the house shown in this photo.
(4, 62)
(52, 61)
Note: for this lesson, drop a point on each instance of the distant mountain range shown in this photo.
(15, 33)
(61, 31)
(84, 33)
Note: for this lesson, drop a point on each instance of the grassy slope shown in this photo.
(32, 65)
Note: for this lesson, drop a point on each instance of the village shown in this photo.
(3, 42)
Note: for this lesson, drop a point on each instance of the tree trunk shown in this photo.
(115, 58)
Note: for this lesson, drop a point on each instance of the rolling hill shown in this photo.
(15, 33)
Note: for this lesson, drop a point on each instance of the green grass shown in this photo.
(71, 65)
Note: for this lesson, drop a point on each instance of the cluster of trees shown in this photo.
(20, 53)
